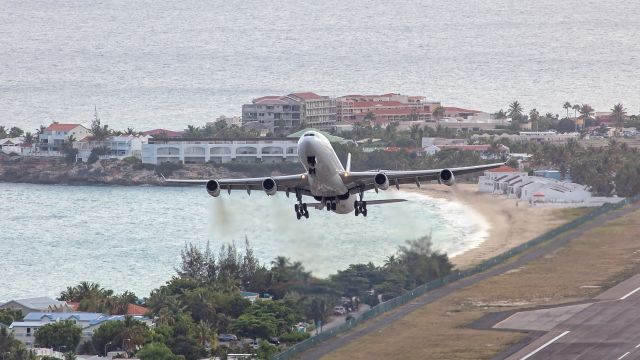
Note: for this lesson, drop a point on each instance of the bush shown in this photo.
(131, 160)
(294, 337)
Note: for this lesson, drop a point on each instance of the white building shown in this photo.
(536, 189)
(14, 146)
(25, 330)
(53, 137)
(120, 147)
(220, 151)
(229, 120)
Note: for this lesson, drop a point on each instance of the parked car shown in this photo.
(274, 341)
(339, 310)
(227, 337)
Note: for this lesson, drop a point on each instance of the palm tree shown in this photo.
(586, 110)
(567, 106)
(515, 110)
(100, 132)
(438, 114)
(534, 115)
(619, 113)
(204, 334)
(28, 138)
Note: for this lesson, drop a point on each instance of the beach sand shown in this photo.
(509, 224)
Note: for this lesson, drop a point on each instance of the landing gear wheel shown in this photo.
(334, 206)
(306, 214)
(364, 212)
(356, 211)
(298, 215)
(297, 208)
(304, 208)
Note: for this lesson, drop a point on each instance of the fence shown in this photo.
(438, 283)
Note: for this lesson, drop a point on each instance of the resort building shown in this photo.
(269, 112)
(289, 111)
(119, 147)
(220, 151)
(163, 134)
(55, 135)
(318, 111)
(384, 109)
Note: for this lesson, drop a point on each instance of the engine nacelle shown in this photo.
(381, 181)
(446, 177)
(269, 186)
(213, 188)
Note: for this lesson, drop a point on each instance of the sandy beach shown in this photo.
(509, 224)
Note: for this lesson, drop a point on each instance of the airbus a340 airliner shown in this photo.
(333, 187)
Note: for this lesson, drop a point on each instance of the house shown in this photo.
(119, 147)
(25, 329)
(50, 141)
(35, 304)
(15, 146)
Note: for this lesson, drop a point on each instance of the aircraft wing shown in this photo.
(356, 180)
(284, 183)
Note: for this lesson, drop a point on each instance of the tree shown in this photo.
(96, 153)
(155, 351)
(29, 139)
(585, 111)
(438, 114)
(7, 316)
(15, 132)
(567, 106)
(100, 132)
(3, 132)
(515, 111)
(618, 112)
(58, 335)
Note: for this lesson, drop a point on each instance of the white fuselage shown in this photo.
(324, 168)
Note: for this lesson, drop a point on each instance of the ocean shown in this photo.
(129, 238)
(149, 64)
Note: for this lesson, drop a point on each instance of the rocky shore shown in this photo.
(48, 170)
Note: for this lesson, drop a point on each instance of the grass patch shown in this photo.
(603, 257)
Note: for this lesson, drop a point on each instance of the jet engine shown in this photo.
(446, 177)
(213, 188)
(381, 181)
(269, 186)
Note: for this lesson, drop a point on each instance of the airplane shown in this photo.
(334, 188)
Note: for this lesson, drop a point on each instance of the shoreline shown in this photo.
(509, 225)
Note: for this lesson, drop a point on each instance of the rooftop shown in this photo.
(62, 127)
(80, 316)
(307, 95)
(37, 302)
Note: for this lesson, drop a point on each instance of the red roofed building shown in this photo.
(456, 112)
(55, 135)
(132, 309)
(353, 108)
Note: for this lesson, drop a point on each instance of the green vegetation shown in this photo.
(607, 171)
(11, 348)
(204, 299)
(63, 335)
(7, 316)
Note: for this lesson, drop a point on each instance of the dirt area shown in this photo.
(592, 262)
(502, 215)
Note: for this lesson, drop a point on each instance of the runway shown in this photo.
(608, 328)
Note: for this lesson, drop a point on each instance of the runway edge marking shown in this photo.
(545, 345)
(630, 293)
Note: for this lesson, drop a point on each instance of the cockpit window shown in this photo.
(310, 134)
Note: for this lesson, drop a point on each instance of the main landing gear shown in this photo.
(360, 207)
(300, 207)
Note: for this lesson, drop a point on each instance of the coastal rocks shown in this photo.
(48, 170)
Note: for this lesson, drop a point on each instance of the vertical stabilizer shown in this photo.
(349, 162)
